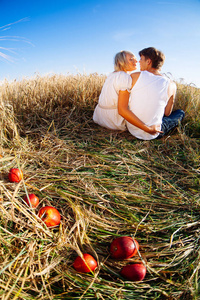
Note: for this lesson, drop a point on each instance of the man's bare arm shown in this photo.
(171, 99)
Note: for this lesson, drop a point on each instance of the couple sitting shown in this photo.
(141, 102)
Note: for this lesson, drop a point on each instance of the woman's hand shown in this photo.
(153, 129)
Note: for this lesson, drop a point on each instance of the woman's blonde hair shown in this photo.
(120, 61)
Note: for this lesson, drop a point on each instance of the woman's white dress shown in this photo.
(106, 112)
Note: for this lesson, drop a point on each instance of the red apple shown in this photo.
(134, 272)
(50, 216)
(32, 200)
(85, 264)
(123, 247)
(15, 175)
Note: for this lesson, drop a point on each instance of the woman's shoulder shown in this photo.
(122, 81)
(119, 74)
(135, 77)
(122, 76)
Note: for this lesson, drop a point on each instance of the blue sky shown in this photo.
(66, 37)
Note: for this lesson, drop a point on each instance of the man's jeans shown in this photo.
(170, 122)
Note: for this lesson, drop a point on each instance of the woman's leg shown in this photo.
(172, 121)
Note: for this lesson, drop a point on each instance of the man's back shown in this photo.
(148, 99)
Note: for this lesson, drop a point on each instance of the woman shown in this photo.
(112, 108)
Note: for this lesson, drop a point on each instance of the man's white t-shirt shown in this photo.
(148, 100)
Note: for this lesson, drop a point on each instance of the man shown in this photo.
(151, 99)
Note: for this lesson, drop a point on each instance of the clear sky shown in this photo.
(70, 36)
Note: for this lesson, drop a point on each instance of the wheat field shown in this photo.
(105, 184)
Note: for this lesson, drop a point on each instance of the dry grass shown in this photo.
(105, 184)
(188, 98)
(45, 99)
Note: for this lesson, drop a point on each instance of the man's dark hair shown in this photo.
(156, 56)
